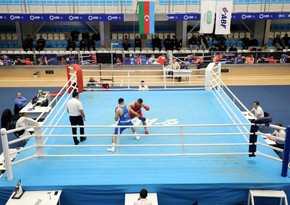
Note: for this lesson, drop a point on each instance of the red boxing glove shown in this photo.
(147, 108)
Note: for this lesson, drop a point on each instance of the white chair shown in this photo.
(23, 52)
(114, 36)
(120, 36)
(131, 36)
(50, 36)
(277, 33)
(231, 35)
(62, 36)
(149, 36)
(10, 52)
(236, 35)
(189, 35)
(14, 36)
(3, 36)
(8, 36)
(16, 52)
(55, 52)
(44, 36)
(172, 34)
(56, 36)
(37, 36)
(271, 35)
(283, 33)
(161, 35)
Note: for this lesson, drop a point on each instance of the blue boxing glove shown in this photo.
(142, 119)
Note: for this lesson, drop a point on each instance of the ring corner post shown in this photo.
(5, 147)
(253, 140)
(286, 153)
(80, 82)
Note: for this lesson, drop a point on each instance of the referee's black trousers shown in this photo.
(74, 121)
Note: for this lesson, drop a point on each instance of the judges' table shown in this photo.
(36, 198)
(35, 111)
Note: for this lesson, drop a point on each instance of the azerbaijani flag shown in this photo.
(146, 16)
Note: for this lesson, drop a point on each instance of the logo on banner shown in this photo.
(93, 17)
(224, 17)
(32, 17)
(208, 17)
(71, 18)
(14, 17)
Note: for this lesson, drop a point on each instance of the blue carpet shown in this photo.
(177, 179)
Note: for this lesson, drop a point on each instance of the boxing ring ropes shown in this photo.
(213, 84)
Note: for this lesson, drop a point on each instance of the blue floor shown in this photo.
(177, 179)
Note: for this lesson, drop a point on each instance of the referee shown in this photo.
(76, 116)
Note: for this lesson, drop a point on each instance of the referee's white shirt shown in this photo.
(143, 202)
(74, 106)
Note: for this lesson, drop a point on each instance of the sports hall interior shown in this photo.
(262, 81)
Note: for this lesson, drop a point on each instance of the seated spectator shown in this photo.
(91, 44)
(28, 43)
(266, 48)
(174, 65)
(257, 110)
(193, 42)
(20, 102)
(83, 45)
(142, 86)
(174, 43)
(217, 58)
(233, 48)
(246, 41)
(278, 136)
(285, 41)
(203, 42)
(152, 59)
(137, 43)
(142, 200)
(92, 83)
(250, 60)
(71, 44)
(75, 34)
(213, 48)
(167, 43)
(239, 59)
(222, 48)
(272, 60)
(284, 58)
(161, 59)
(126, 43)
(96, 36)
(40, 44)
(277, 42)
(156, 42)
(86, 35)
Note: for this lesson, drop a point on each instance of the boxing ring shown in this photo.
(197, 149)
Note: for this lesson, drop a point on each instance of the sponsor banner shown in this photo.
(61, 17)
(261, 16)
(183, 17)
(223, 17)
(207, 13)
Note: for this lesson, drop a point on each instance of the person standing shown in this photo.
(76, 117)
(137, 106)
(122, 113)
(142, 200)
(28, 43)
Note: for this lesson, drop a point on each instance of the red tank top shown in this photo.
(137, 107)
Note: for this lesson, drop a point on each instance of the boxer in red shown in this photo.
(137, 106)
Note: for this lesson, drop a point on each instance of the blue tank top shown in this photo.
(125, 117)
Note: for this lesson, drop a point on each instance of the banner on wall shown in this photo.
(224, 10)
(146, 17)
(207, 13)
